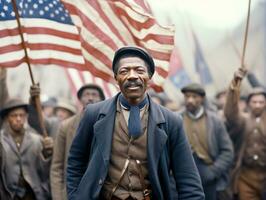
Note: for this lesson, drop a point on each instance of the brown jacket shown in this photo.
(62, 145)
(239, 125)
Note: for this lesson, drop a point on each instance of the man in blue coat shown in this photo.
(128, 147)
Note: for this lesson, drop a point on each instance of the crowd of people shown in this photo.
(136, 145)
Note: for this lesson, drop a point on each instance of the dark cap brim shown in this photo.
(137, 51)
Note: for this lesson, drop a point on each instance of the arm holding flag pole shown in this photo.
(47, 141)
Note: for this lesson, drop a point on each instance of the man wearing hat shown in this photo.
(64, 110)
(126, 147)
(248, 131)
(210, 143)
(87, 94)
(25, 155)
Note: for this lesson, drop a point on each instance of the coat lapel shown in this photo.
(7, 138)
(156, 136)
(26, 142)
(103, 129)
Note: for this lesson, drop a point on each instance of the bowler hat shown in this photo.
(133, 51)
(195, 88)
(12, 104)
(91, 86)
(256, 91)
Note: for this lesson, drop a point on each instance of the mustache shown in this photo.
(132, 84)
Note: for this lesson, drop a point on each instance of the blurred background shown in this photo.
(209, 38)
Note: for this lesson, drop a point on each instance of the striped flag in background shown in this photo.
(106, 25)
(78, 78)
(82, 34)
(50, 35)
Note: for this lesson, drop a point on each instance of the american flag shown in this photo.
(106, 25)
(83, 34)
(49, 34)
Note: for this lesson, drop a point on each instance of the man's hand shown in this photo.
(240, 74)
(48, 145)
(35, 90)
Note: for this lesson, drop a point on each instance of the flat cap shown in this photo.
(256, 91)
(12, 104)
(195, 88)
(136, 51)
(91, 86)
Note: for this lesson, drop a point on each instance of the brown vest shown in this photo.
(124, 148)
(196, 132)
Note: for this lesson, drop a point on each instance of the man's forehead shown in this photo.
(17, 110)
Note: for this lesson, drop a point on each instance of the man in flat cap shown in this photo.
(26, 155)
(249, 136)
(210, 143)
(128, 147)
(87, 94)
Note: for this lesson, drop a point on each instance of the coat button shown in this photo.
(100, 182)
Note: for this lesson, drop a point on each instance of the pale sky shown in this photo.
(218, 14)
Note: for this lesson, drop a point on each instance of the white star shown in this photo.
(26, 5)
(40, 1)
(41, 12)
(8, 1)
(60, 8)
(52, 15)
(54, 2)
(51, 5)
(56, 12)
(5, 7)
(13, 14)
(63, 18)
(35, 5)
(21, 4)
(29, 1)
(19, 12)
(3, 14)
(46, 8)
(31, 12)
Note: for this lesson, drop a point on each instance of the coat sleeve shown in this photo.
(234, 119)
(225, 148)
(188, 183)
(79, 152)
(57, 174)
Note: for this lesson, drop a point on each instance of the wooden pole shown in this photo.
(246, 37)
(37, 98)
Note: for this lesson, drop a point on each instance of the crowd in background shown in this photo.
(227, 136)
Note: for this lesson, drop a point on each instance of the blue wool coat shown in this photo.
(168, 151)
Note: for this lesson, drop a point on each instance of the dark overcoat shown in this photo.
(168, 150)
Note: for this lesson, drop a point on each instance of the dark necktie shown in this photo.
(134, 122)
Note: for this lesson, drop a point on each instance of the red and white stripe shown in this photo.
(106, 25)
(48, 42)
(79, 78)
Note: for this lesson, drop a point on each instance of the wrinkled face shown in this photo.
(16, 119)
(132, 78)
(62, 114)
(257, 104)
(193, 101)
(90, 95)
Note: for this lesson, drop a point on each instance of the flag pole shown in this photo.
(245, 38)
(36, 98)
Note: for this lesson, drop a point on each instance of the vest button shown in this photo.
(100, 182)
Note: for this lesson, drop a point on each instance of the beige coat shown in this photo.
(62, 145)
